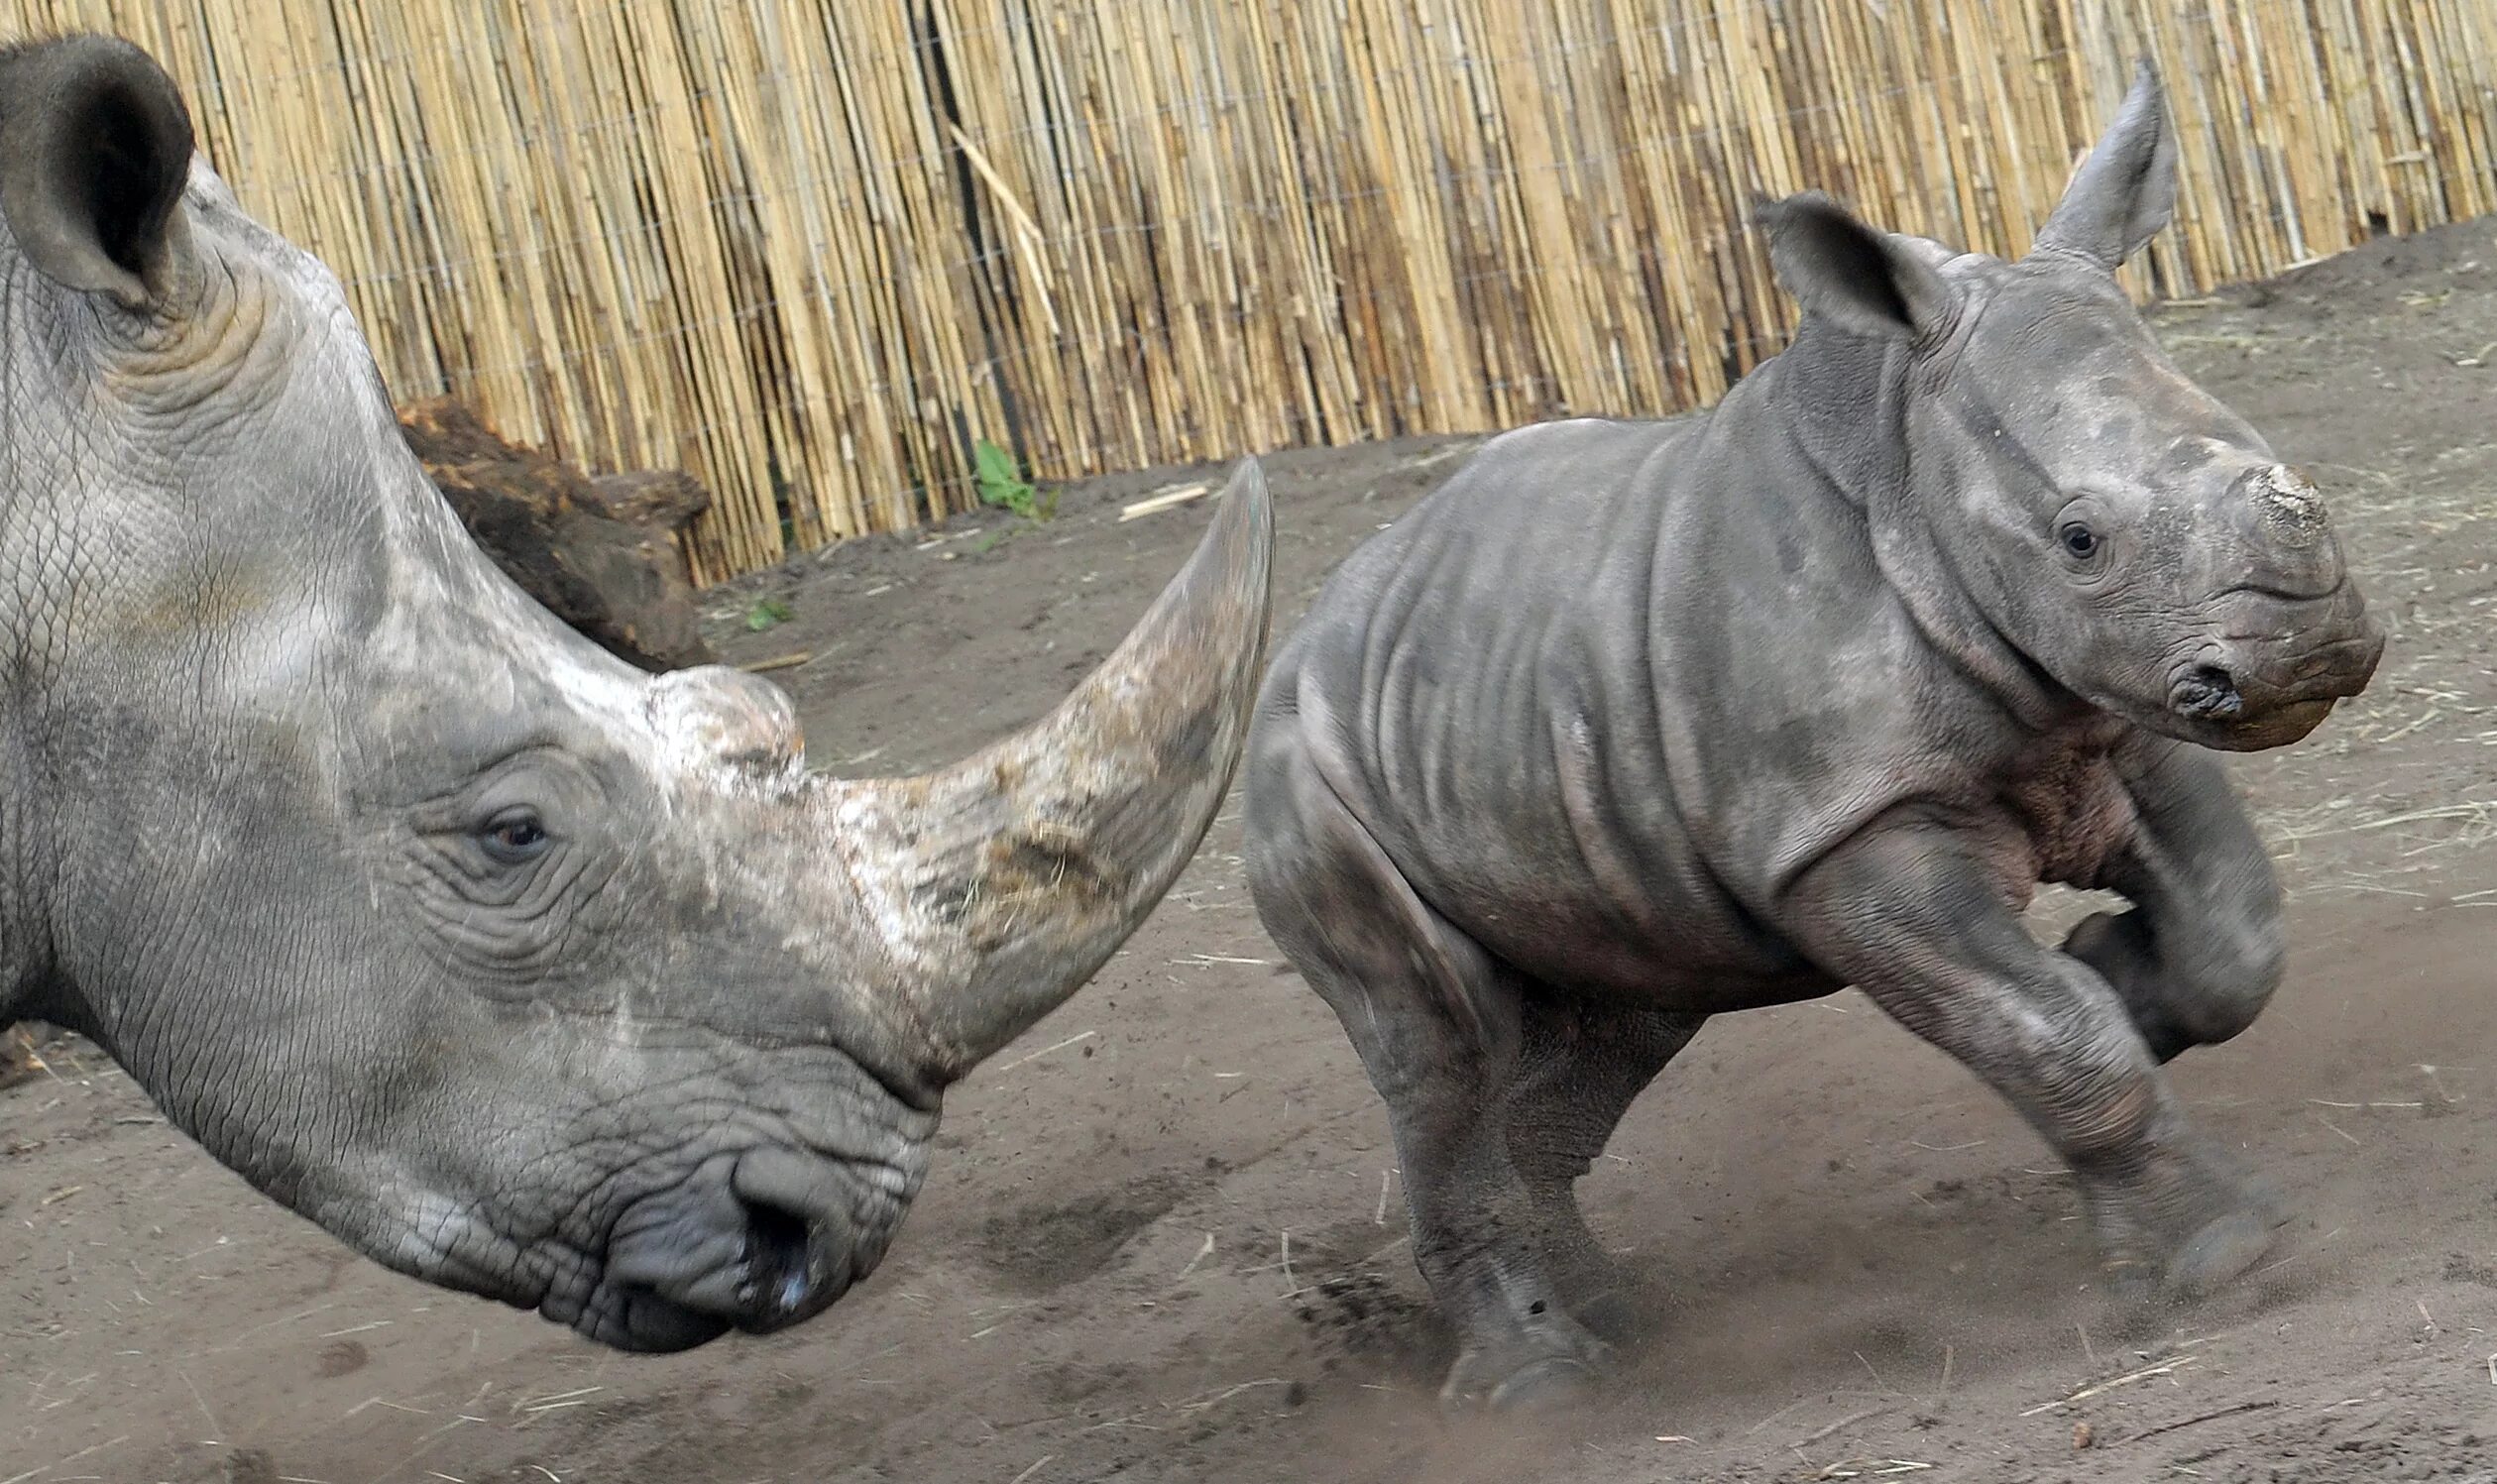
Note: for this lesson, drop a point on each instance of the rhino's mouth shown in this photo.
(2237, 700)
(754, 1240)
(2277, 728)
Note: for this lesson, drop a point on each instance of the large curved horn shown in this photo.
(999, 885)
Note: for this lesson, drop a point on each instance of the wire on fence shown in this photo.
(814, 252)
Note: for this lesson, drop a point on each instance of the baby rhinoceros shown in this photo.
(1632, 724)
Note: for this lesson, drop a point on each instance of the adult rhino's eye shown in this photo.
(514, 837)
(2079, 540)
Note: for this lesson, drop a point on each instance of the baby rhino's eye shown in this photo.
(514, 837)
(2079, 540)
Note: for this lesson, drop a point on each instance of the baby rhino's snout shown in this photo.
(2291, 636)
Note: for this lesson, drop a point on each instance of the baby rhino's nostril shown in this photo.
(2209, 691)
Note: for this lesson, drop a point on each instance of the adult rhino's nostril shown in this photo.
(757, 1241)
(778, 1261)
(798, 1240)
(2210, 692)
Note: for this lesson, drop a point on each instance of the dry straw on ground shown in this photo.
(813, 249)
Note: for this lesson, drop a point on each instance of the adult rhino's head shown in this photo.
(522, 970)
(2114, 523)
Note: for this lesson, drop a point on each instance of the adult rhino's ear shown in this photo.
(1847, 273)
(2125, 190)
(95, 147)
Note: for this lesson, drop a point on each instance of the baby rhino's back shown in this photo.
(1474, 684)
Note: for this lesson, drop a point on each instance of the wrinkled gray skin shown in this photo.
(1631, 725)
(523, 972)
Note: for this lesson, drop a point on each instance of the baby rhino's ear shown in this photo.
(2125, 190)
(1847, 273)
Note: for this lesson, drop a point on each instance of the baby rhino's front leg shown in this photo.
(2200, 952)
(1912, 914)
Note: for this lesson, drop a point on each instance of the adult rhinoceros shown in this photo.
(1628, 724)
(523, 972)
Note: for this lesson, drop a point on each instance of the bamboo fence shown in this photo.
(814, 250)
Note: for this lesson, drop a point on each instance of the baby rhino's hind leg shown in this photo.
(1582, 1066)
(1440, 1029)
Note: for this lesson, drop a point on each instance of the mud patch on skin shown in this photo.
(1049, 1243)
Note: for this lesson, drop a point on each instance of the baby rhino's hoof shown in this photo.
(2147, 1296)
(2226, 1245)
(2219, 1253)
(1547, 1384)
(1549, 1366)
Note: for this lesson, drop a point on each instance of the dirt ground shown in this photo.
(1163, 1238)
